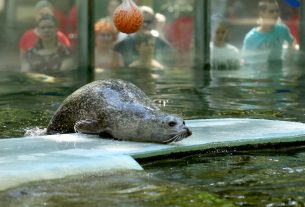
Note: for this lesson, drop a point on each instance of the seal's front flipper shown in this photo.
(87, 126)
(90, 126)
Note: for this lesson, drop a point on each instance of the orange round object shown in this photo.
(127, 17)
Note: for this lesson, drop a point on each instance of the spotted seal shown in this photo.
(116, 109)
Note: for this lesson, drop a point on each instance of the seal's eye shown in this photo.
(172, 123)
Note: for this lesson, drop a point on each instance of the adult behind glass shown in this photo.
(30, 37)
(48, 54)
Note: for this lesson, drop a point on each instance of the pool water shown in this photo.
(261, 178)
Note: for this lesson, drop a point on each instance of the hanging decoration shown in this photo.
(127, 17)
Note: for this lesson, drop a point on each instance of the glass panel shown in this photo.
(37, 36)
(247, 32)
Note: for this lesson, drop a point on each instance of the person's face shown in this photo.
(148, 22)
(220, 34)
(147, 48)
(45, 11)
(271, 14)
(47, 29)
(104, 39)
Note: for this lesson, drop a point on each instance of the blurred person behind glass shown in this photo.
(105, 37)
(224, 56)
(48, 54)
(30, 37)
(265, 42)
(145, 45)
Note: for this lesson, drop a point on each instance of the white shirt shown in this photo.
(224, 58)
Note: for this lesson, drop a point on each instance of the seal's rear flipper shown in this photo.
(87, 126)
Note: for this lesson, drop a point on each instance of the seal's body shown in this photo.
(117, 109)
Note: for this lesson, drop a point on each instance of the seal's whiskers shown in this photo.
(177, 137)
(169, 140)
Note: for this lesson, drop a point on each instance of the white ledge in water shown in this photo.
(56, 156)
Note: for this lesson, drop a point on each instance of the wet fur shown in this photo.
(118, 106)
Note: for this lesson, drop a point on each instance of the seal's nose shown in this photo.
(188, 131)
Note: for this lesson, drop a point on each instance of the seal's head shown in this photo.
(157, 127)
(160, 128)
(172, 129)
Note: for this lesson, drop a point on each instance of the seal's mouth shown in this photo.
(179, 137)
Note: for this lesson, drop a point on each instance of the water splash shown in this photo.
(36, 131)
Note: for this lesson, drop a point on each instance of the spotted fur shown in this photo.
(117, 109)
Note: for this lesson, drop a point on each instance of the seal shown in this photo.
(116, 109)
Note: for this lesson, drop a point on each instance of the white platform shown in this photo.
(56, 156)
